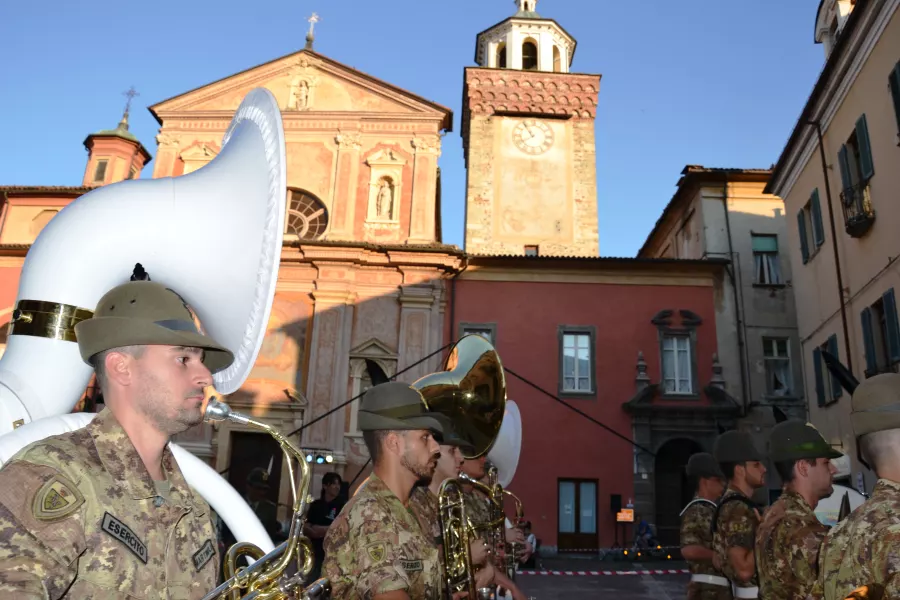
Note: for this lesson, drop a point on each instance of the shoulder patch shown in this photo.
(203, 555)
(56, 499)
(376, 552)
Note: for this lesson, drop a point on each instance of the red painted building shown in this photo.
(629, 342)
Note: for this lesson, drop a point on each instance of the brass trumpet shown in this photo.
(265, 578)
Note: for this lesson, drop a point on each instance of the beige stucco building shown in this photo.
(724, 213)
(839, 180)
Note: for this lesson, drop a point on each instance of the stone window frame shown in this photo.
(689, 323)
(561, 332)
(492, 327)
(357, 371)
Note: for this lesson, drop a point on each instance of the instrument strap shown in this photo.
(696, 501)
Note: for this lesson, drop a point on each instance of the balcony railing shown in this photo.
(859, 216)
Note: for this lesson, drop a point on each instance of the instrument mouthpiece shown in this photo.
(216, 412)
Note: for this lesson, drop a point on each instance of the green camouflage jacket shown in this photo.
(696, 530)
(79, 519)
(864, 548)
(736, 528)
(787, 549)
(376, 545)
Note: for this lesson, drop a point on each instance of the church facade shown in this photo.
(367, 285)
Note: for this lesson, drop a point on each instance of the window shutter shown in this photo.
(801, 226)
(816, 210)
(869, 341)
(866, 166)
(820, 382)
(894, 80)
(892, 325)
(836, 390)
(844, 163)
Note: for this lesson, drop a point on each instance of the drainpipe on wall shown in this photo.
(453, 298)
(739, 305)
(837, 261)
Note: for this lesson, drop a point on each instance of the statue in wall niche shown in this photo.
(299, 96)
(384, 203)
(303, 95)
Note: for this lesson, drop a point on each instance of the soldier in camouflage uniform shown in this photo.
(707, 582)
(736, 520)
(862, 550)
(377, 544)
(104, 511)
(790, 535)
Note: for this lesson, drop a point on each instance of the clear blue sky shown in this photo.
(712, 82)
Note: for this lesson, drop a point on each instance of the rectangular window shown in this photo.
(857, 168)
(881, 335)
(677, 368)
(765, 255)
(894, 82)
(100, 171)
(486, 330)
(531, 250)
(577, 360)
(809, 224)
(778, 366)
(828, 387)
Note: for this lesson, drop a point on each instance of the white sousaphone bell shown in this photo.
(214, 236)
(504, 454)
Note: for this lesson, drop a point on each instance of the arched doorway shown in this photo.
(672, 489)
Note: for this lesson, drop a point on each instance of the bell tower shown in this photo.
(528, 138)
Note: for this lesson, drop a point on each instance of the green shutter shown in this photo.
(894, 80)
(816, 213)
(820, 382)
(844, 163)
(801, 227)
(869, 341)
(836, 390)
(892, 325)
(866, 166)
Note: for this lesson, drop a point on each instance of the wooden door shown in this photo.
(577, 518)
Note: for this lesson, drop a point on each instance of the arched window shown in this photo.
(529, 56)
(557, 60)
(307, 217)
(501, 56)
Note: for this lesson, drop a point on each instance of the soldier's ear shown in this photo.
(393, 442)
(119, 368)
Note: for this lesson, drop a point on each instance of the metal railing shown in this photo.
(859, 215)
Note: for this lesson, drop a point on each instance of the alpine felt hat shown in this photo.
(795, 440)
(735, 447)
(146, 313)
(395, 406)
(875, 405)
(703, 464)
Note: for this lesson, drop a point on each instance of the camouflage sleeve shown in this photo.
(737, 524)
(695, 527)
(886, 560)
(41, 531)
(379, 560)
(805, 544)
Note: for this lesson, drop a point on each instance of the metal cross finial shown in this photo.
(312, 23)
(130, 94)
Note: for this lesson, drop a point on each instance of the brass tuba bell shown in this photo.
(471, 393)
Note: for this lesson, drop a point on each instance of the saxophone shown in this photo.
(265, 578)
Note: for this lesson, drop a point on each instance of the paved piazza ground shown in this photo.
(637, 586)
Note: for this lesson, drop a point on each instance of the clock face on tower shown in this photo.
(532, 136)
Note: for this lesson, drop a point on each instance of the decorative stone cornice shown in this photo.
(491, 91)
(351, 141)
(429, 145)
